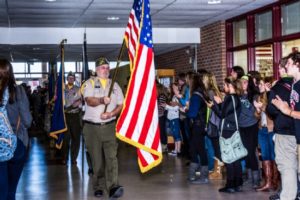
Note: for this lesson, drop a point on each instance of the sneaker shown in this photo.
(200, 181)
(173, 153)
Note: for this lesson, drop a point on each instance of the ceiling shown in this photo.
(18, 53)
(94, 13)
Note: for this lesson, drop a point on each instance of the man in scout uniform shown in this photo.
(73, 104)
(99, 129)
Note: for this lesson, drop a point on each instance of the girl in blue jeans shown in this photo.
(174, 121)
(265, 136)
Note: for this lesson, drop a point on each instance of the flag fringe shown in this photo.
(142, 147)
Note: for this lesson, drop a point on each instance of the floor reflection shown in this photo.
(44, 178)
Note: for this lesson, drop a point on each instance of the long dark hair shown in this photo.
(239, 70)
(252, 90)
(7, 80)
(198, 85)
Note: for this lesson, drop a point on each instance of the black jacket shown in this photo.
(225, 111)
(283, 124)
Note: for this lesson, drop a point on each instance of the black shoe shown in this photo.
(274, 197)
(74, 162)
(90, 172)
(238, 189)
(98, 193)
(227, 190)
(116, 192)
(298, 196)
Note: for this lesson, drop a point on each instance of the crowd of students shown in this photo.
(265, 113)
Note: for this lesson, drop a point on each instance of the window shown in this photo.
(264, 60)
(69, 66)
(240, 59)
(36, 67)
(239, 33)
(290, 18)
(263, 26)
(19, 67)
(290, 46)
(114, 64)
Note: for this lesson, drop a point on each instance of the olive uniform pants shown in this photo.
(73, 135)
(102, 146)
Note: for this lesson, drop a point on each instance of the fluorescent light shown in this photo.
(214, 1)
(50, 0)
(113, 18)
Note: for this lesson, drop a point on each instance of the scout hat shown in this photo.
(71, 74)
(101, 61)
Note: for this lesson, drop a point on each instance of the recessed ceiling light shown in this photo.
(113, 18)
(214, 1)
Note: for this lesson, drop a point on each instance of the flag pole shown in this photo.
(62, 53)
(116, 70)
(85, 76)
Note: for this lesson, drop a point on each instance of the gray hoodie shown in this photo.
(20, 110)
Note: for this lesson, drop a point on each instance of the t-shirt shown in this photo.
(247, 117)
(295, 104)
(173, 111)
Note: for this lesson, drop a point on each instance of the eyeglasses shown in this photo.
(104, 68)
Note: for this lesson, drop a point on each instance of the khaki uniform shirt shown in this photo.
(72, 95)
(93, 88)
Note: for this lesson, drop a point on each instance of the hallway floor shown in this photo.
(44, 178)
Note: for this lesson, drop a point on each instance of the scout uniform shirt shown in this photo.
(94, 88)
(72, 95)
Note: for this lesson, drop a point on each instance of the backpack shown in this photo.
(201, 116)
(212, 123)
(8, 140)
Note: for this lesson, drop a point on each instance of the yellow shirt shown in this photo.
(103, 82)
(70, 86)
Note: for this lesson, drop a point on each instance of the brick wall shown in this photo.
(178, 60)
(211, 53)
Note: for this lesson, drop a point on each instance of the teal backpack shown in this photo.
(8, 140)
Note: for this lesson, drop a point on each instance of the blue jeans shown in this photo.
(174, 125)
(10, 173)
(210, 153)
(265, 141)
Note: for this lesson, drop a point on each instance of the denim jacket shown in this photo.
(19, 111)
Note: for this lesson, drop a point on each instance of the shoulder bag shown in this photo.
(232, 149)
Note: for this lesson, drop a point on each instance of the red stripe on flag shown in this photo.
(135, 26)
(129, 51)
(131, 38)
(148, 119)
(128, 98)
(141, 158)
(156, 140)
(142, 90)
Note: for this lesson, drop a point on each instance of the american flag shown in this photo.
(138, 123)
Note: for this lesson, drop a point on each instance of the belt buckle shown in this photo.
(102, 123)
